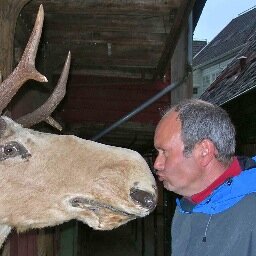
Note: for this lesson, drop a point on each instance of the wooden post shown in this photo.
(9, 11)
(181, 66)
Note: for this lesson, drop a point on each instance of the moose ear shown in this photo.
(2, 126)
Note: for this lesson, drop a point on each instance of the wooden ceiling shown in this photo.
(124, 37)
(128, 39)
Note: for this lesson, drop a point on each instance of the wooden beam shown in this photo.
(173, 37)
(157, 23)
(122, 38)
(107, 7)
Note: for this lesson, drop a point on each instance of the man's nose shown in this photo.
(159, 163)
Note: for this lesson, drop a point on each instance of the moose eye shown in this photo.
(13, 149)
(10, 150)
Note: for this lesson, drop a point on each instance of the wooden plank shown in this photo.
(113, 105)
(68, 239)
(153, 24)
(46, 242)
(100, 51)
(108, 116)
(24, 244)
(122, 38)
(94, 97)
(105, 7)
(80, 79)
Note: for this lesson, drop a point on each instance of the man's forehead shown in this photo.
(170, 119)
(167, 126)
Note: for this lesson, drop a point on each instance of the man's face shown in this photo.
(179, 174)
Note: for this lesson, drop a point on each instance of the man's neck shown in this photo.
(218, 178)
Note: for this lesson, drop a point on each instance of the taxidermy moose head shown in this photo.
(47, 179)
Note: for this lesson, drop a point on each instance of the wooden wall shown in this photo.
(242, 111)
(106, 99)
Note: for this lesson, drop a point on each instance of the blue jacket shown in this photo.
(224, 224)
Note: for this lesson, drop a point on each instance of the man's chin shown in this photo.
(167, 186)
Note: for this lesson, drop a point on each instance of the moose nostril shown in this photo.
(145, 199)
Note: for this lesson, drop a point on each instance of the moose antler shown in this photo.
(26, 67)
(25, 71)
(43, 112)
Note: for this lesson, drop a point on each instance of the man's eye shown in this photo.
(165, 153)
(161, 152)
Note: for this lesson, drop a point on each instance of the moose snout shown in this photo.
(144, 198)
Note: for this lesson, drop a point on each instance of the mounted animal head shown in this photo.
(47, 179)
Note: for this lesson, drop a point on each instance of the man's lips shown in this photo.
(160, 177)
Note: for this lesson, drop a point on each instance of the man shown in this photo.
(196, 159)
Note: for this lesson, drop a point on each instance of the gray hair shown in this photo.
(202, 120)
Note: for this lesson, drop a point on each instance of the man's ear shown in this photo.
(206, 152)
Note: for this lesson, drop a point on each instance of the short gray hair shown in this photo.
(202, 120)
